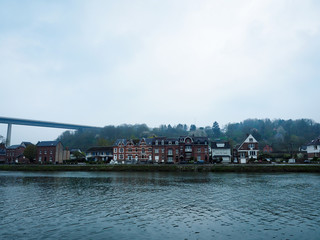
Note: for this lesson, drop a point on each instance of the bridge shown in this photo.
(37, 123)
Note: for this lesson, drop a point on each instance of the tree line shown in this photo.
(282, 135)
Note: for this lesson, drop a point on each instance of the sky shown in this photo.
(157, 62)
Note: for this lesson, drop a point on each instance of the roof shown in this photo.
(220, 145)
(118, 141)
(26, 143)
(47, 143)
(93, 149)
(315, 142)
(13, 146)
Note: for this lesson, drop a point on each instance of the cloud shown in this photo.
(106, 62)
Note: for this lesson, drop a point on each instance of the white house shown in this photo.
(221, 151)
(313, 148)
(248, 149)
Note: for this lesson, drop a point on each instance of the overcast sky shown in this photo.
(157, 62)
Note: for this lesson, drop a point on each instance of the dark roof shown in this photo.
(47, 143)
(118, 141)
(315, 141)
(214, 145)
(26, 143)
(93, 149)
(13, 146)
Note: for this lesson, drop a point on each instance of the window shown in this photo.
(170, 159)
(143, 151)
(121, 156)
(177, 142)
(199, 149)
(51, 152)
(170, 152)
(121, 150)
(198, 157)
(130, 150)
(115, 150)
(50, 159)
(150, 149)
(251, 145)
(252, 153)
(170, 143)
(250, 139)
(156, 158)
(156, 142)
(156, 150)
(177, 151)
(40, 159)
(45, 152)
(162, 150)
(162, 142)
(40, 152)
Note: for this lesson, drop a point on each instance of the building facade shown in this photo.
(14, 154)
(161, 150)
(103, 154)
(221, 152)
(51, 152)
(313, 149)
(248, 149)
(133, 150)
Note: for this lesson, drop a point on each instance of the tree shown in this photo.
(30, 152)
(216, 130)
(193, 127)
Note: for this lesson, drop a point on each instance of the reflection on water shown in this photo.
(86, 205)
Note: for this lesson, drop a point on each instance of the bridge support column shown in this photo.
(8, 140)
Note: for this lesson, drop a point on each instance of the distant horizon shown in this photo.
(51, 134)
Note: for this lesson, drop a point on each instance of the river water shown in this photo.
(110, 205)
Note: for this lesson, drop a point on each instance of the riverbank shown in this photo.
(315, 168)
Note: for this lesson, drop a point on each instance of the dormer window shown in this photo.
(177, 142)
(156, 142)
(250, 139)
(162, 142)
(170, 143)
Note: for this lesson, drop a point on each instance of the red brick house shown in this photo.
(51, 152)
(267, 149)
(165, 150)
(133, 151)
(161, 150)
(3, 154)
(248, 149)
(14, 153)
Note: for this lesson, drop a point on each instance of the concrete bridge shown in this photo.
(36, 123)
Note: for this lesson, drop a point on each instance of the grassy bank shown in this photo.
(167, 168)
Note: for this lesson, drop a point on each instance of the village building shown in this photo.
(248, 149)
(221, 152)
(3, 153)
(99, 154)
(166, 150)
(133, 150)
(313, 149)
(267, 149)
(49, 152)
(14, 153)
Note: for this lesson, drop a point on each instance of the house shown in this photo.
(313, 149)
(221, 152)
(51, 152)
(99, 154)
(14, 154)
(165, 150)
(3, 153)
(133, 150)
(267, 149)
(248, 149)
(161, 150)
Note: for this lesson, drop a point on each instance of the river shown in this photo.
(124, 205)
